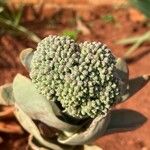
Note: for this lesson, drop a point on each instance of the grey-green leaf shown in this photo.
(6, 94)
(124, 120)
(35, 145)
(95, 129)
(26, 57)
(91, 147)
(30, 126)
(35, 104)
(122, 69)
(137, 84)
(123, 74)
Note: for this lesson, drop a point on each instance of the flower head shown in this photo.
(80, 77)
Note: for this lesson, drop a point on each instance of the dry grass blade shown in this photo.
(135, 41)
(7, 112)
(82, 27)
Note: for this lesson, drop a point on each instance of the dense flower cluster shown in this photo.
(79, 76)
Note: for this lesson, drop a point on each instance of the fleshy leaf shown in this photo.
(137, 84)
(122, 69)
(30, 126)
(26, 56)
(124, 120)
(35, 104)
(91, 147)
(34, 146)
(6, 94)
(123, 74)
(95, 129)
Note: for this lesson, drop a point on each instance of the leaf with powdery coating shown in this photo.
(6, 94)
(124, 120)
(92, 147)
(35, 145)
(122, 69)
(30, 126)
(123, 75)
(96, 129)
(26, 56)
(137, 84)
(35, 105)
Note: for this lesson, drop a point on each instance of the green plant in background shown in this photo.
(108, 18)
(71, 33)
(10, 21)
(71, 92)
(143, 6)
(136, 41)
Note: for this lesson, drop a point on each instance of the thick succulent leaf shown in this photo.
(95, 129)
(123, 74)
(30, 126)
(137, 84)
(91, 147)
(6, 94)
(26, 57)
(35, 104)
(124, 120)
(122, 69)
(35, 145)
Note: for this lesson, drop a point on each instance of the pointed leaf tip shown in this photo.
(125, 120)
(123, 75)
(146, 77)
(26, 56)
(137, 84)
(122, 69)
(6, 94)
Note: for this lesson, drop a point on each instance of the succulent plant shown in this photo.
(71, 92)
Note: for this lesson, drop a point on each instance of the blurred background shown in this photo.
(124, 25)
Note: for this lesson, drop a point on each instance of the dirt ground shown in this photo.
(124, 23)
